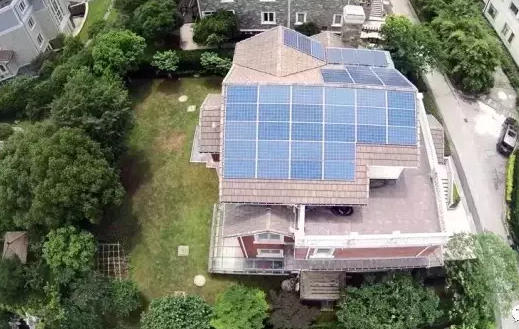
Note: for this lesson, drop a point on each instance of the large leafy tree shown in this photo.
(156, 19)
(414, 47)
(287, 312)
(190, 312)
(117, 52)
(127, 7)
(397, 302)
(125, 297)
(240, 307)
(216, 29)
(98, 105)
(69, 253)
(12, 282)
(14, 96)
(50, 177)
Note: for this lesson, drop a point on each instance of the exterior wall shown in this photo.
(44, 20)
(300, 253)
(384, 172)
(249, 11)
(250, 248)
(505, 15)
(20, 41)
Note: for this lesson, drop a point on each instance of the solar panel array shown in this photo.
(310, 132)
(364, 75)
(304, 44)
(351, 56)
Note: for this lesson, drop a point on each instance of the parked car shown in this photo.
(508, 137)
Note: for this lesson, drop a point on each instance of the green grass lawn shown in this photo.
(96, 11)
(170, 200)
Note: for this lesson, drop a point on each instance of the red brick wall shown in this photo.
(252, 248)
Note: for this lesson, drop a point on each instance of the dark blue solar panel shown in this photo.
(349, 56)
(307, 95)
(307, 113)
(371, 134)
(306, 169)
(290, 38)
(339, 151)
(318, 50)
(274, 112)
(401, 100)
(391, 77)
(339, 133)
(274, 94)
(339, 170)
(379, 58)
(371, 115)
(242, 94)
(269, 169)
(339, 114)
(240, 130)
(273, 150)
(273, 131)
(363, 75)
(339, 96)
(241, 112)
(401, 135)
(335, 76)
(397, 117)
(304, 44)
(307, 151)
(334, 55)
(239, 168)
(364, 57)
(371, 97)
(307, 131)
(240, 149)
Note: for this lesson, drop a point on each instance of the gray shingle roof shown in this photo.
(210, 112)
(242, 220)
(329, 39)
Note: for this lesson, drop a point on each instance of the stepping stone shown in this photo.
(191, 108)
(179, 293)
(183, 251)
(199, 280)
(182, 98)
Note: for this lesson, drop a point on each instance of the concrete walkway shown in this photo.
(186, 38)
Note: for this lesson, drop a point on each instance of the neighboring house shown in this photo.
(26, 27)
(261, 15)
(503, 15)
(305, 132)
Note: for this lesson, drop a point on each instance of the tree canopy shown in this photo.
(397, 301)
(287, 312)
(125, 297)
(14, 96)
(240, 307)
(51, 177)
(214, 64)
(117, 52)
(156, 19)
(216, 29)
(12, 282)
(166, 61)
(190, 312)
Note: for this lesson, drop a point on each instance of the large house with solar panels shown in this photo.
(326, 161)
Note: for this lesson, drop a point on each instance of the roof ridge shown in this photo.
(278, 50)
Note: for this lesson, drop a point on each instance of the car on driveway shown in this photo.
(508, 137)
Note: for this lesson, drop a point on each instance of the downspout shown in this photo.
(288, 13)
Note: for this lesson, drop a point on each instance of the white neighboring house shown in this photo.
(26, 27)
(503, 15)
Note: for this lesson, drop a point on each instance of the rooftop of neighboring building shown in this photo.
(4, 3)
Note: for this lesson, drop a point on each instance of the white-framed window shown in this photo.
(22, 6)
(505, 30)
(337, 20)
(57, 9)
(208, 13)
(323, 253)
(31, 23)
(39, 38)
(49, 48)
(270, 253)
(3, 68)
(268, 17)
(492, 12)
(268, 238)
(513, 8)
(511, 37)
(300, 18)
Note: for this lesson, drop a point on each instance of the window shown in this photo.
(49, 48)
(268, 18)
(268, 238)
(323, 252)
(300, 18)
(270, 252)
(22, 6)
(505, 29)
(511, 37)
(2, 68)
(513, 8)
(208, 13)
(492, 11)
(227, 0)
(58, 12)
(337, 20)
(39, 38)
(30, 22)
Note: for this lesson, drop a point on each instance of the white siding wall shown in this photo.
(20, 41)
(505, 15)
(46, 24)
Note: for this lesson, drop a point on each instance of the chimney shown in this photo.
(353, 19)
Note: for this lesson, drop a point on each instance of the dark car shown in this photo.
(508, 137)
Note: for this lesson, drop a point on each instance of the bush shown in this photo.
(216, 29)
(126, 298)
(97, 27)
(190, 60)
(287, 311)
(510, 177)
(165, 61)
(455, 196)
(212, 63)
(308, 28)
(5, 131)
(190, 312)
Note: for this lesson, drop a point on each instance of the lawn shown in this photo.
(170, 200)
(96, 11)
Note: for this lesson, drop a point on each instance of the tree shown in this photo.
(487, 280)
(117, 52)
(12, 282)
(308, 28)
(5, 131)
(69, 253)
(72, 47)
(98, 105)
(414, 47)
(50, 177)
(125, 297)
(14, 97)
(96, 28)
(240, 307)
(156, 19)
(190, 312)
(214, 64)
(287, 312)
(397, 301)
(127, 7)
(166, 61)
(216, 29)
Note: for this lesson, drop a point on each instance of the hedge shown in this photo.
(514, 206)
(510, 177)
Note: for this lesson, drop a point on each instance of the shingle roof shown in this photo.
(438, 136)
(329, 39)
(16, 245)
(6, 55)
(210, 112)
(250, 219)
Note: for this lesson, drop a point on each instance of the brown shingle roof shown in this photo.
(210, 124)
(15, 246)
(329, 39)
(6, 55)
(250, 219)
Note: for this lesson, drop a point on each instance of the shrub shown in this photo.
(190, 60)
(455, 196)
(510, 177)
(5, 131)
(166, 61)
(97, 27)
(287, 311)
(125, 297)
(216, 29)
(190, 312)
(308, 28)
(214, 64)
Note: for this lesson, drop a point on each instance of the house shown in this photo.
(503, 15)
(260, 15)
(326, 162)
(26, 27)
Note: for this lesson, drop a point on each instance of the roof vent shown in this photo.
(353, 19)
(354, 15)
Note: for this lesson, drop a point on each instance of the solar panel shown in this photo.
(336, 76)
(240, 150)
(307, 131)
(306, 169)
(364, 57)
(339, 151)
(351, 56)
(273, 150)
(398, 117)
(339, 96)
(307, 95)
(334, 55)
(371, 134)
(339, 114)
(307, 113)
(401, 100)
(274, 94)
(363, 75)
(241, 112)
(274, 112)
(391, 77)
(371, 97)
(339, 133)
(401, 135)
(304, 44)
(318, 50)
(290, 38)
(273, 130)
(239, 168)
(371, 116)
(339, 170)
(307, 150)
(242, 94)
(269, 169)
(240, 130)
